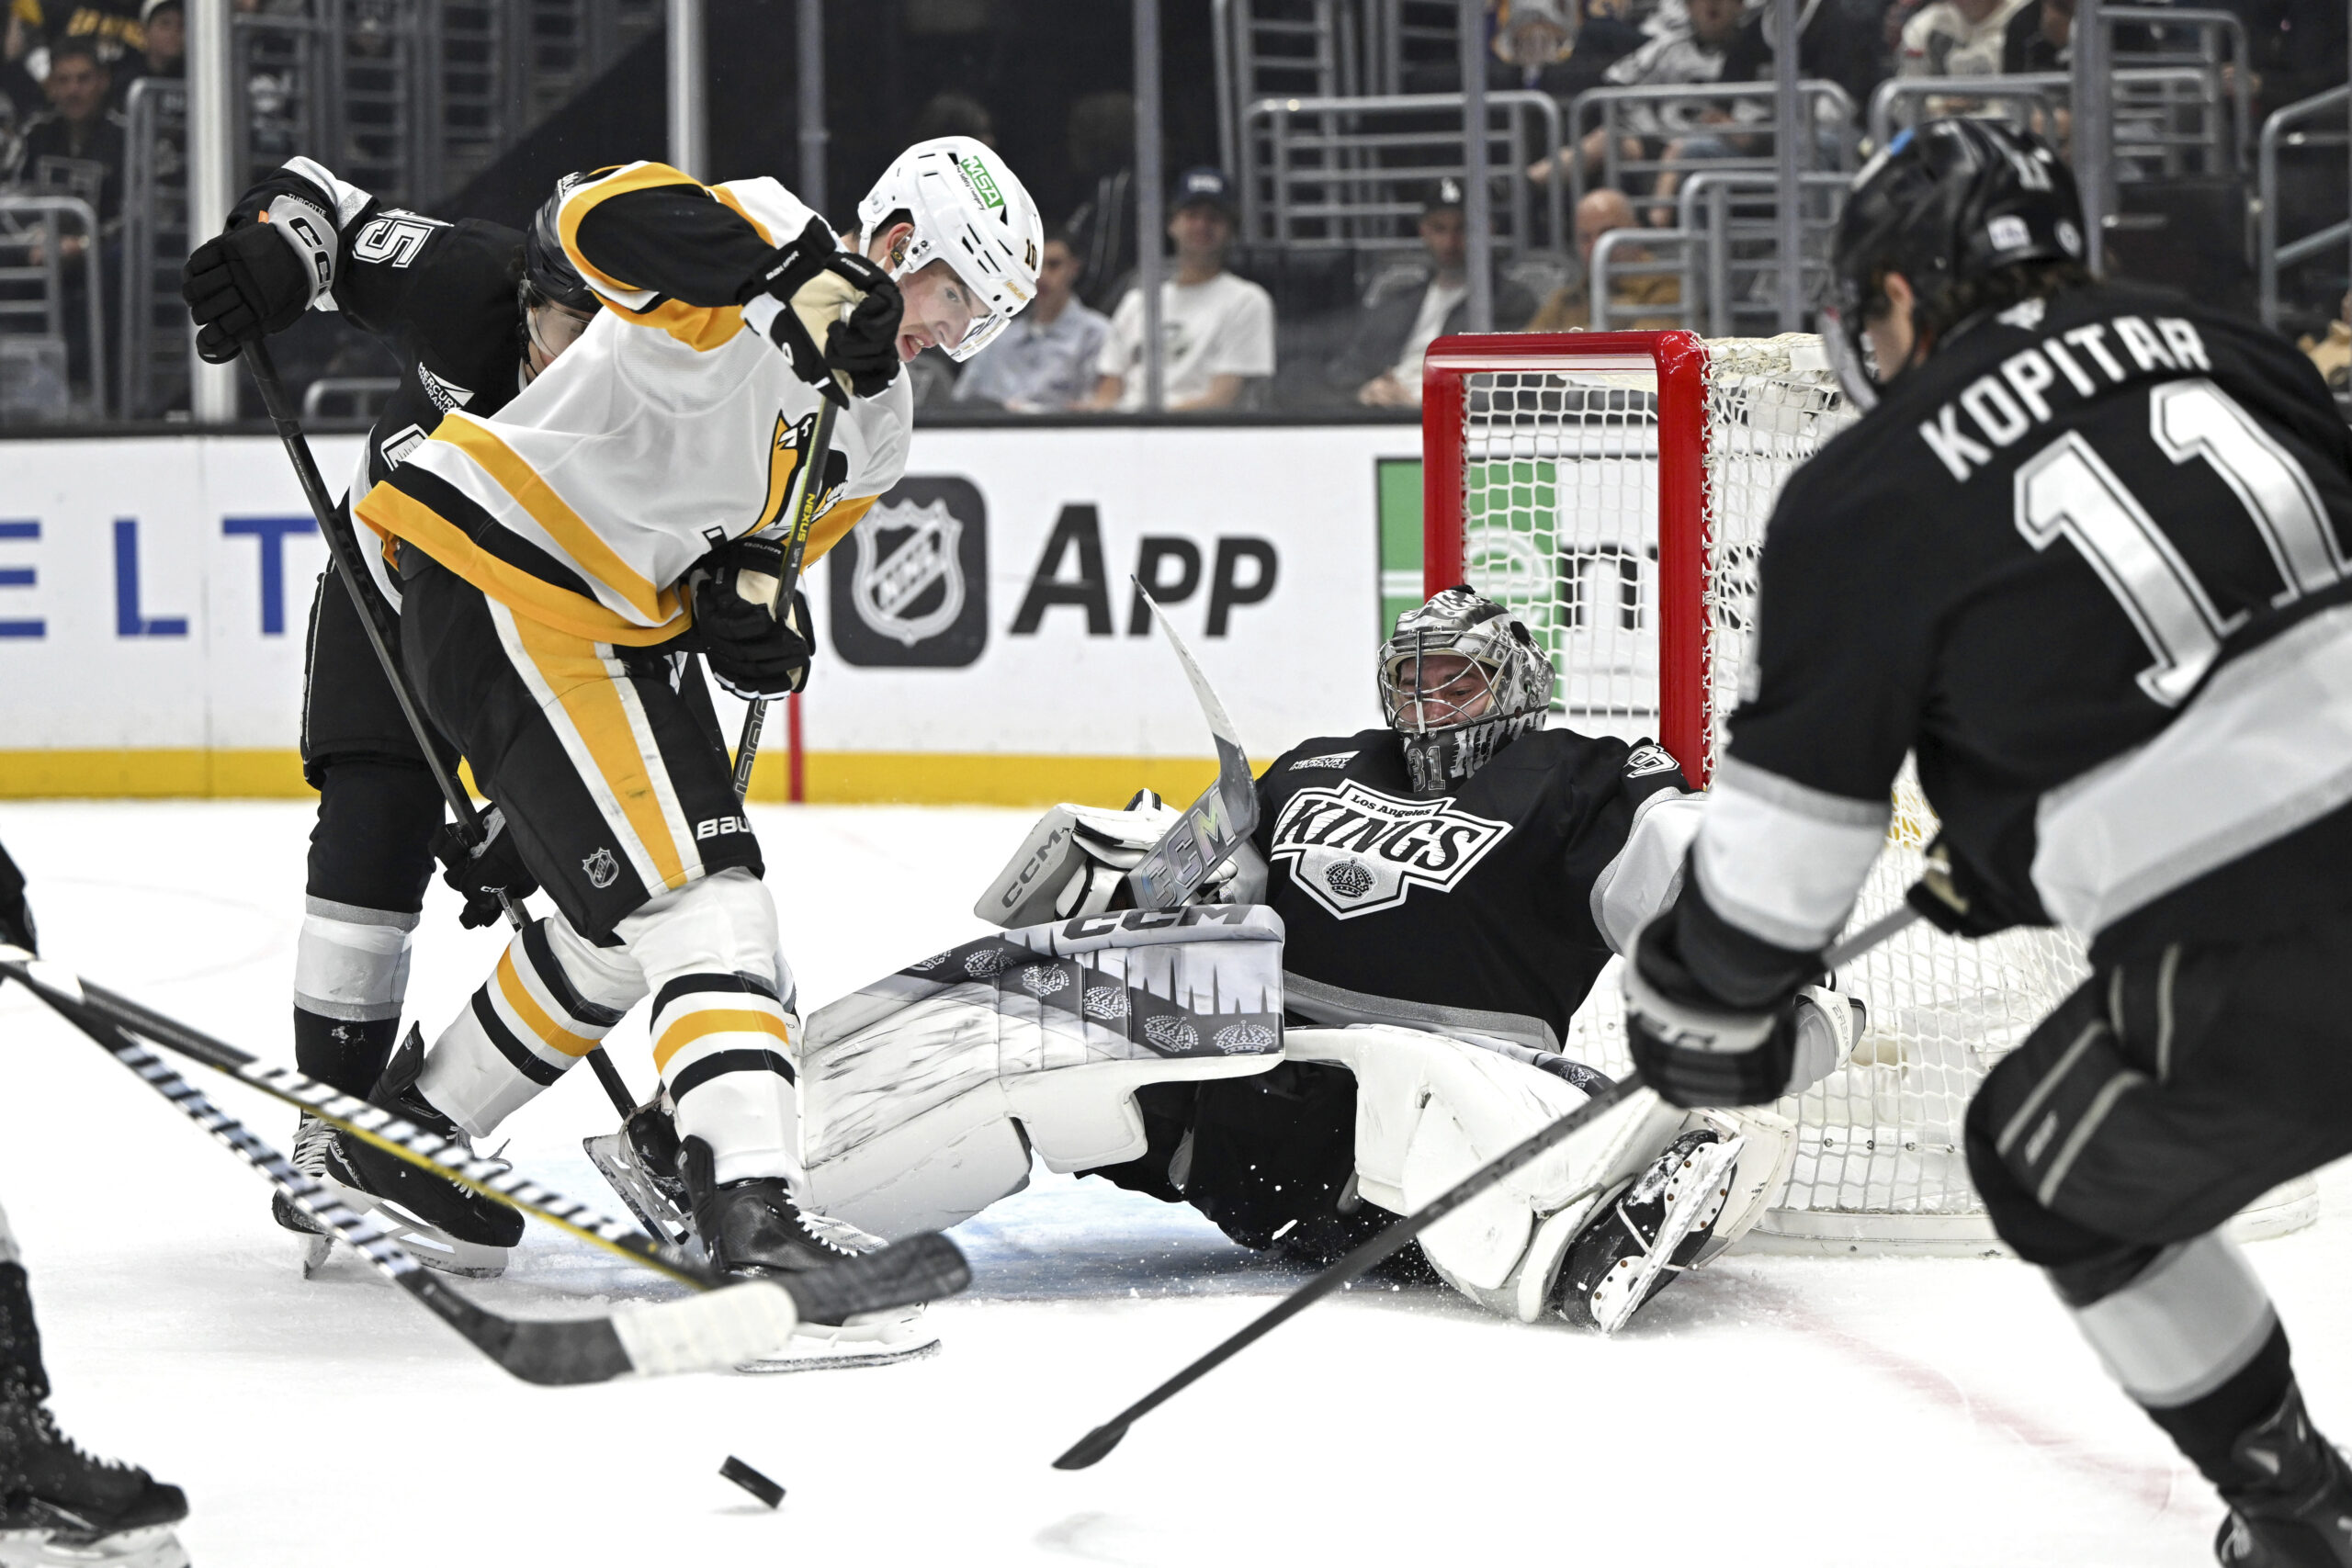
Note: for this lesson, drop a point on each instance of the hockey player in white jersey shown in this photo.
(1408, 1026)
(553, 557)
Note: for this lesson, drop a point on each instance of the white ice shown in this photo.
(1769, 1411)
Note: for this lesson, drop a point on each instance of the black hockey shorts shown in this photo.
(2168, 1093)
(607, 778)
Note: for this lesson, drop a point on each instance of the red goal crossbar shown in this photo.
(1679, 362)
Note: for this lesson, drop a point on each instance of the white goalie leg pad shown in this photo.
(1431, 1110)
(551, 998)
(723, 1021)
(1769, 1147)
(923, 1094)
(351, 963)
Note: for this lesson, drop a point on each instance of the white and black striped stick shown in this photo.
(1090, 1449)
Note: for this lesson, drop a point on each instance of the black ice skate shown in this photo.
(2294, 1508)
(751, 1229)
(59, 1505)
(1646, 1235)
(447, 1226)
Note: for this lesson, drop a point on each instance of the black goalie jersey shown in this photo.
(2088, 562)
(1480, 900)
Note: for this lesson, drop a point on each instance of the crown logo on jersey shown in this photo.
(900, 553)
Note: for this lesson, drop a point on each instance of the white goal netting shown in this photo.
(1568, 462)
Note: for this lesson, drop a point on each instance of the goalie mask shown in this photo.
(1462, 679)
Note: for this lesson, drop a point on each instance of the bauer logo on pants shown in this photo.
(1357, 851)
(909, 584)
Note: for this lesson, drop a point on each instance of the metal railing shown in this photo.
(1607, 270)
(1733, 218)
(2166, 115)
(1671, 114)
(358, 399)
(1313, 175)
(154, 327)
(34, 297)
(2284, 129)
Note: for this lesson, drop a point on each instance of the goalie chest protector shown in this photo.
(1481, 898)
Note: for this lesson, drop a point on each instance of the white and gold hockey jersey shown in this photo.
(667, 429)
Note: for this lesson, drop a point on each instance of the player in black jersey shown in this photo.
(2085, 559)
(1450, 887)
(471, 311)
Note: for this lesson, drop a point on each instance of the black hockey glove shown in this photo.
(15, 915)
(480, 874)
(796, 299)
(749, 651)
(1955, 899)
(1695, 1049)
(257, 278)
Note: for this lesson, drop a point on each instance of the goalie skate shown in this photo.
(1648, 1234)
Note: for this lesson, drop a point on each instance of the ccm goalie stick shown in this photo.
(1216, 824)
(343, 549)
(1090, 1449)
(710, 1332)
(929, 1271)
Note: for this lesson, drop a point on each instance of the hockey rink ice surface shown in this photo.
(1769, 1411)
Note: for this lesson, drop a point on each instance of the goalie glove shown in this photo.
(750, 652)
(480, 873)
(1697, 1050)
(794, 301)
(258, 277)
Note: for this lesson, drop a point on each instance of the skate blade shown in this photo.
(1701, 1198)
(610, 1154)
(865, 1339)
(315, 1252)
(429, 1244)
(154, 1547)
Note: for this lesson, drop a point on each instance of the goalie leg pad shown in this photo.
(923, 1095)
(552, 998)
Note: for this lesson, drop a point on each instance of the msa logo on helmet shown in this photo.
(983, 183)
(1357, 851)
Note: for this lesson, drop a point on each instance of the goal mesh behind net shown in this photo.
(1613, 489)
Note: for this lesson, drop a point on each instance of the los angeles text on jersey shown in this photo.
(2084, 361)
(1357, 851)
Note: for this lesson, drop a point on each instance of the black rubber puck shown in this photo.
(752, 1481)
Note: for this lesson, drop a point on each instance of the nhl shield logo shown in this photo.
(602, 868)
(902, 553)
(909, 583)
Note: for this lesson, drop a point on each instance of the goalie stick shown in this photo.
(1214, 826)
(343, 549)
(1089, 1450)
(708, 1332)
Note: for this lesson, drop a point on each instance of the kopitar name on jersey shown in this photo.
(1357, 851)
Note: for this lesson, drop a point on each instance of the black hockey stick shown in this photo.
(342, 549)
(1214, 826)
(808, 491)
(79, 999)
(703, 1333)
(1090, 1449)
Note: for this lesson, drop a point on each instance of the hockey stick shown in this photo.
(1090, 1449)
(721, 1329)
(808, 490)
(75, 997)
(1214, 826)
(342, 549)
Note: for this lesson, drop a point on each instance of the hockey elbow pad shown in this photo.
(751, 650)
(258, 277)
(1694, 1048)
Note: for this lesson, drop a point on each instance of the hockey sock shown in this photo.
(719, 1042)
(551, 999)
(350, 1054)
(350, 975)
(2193, 1337)
(22, 1376)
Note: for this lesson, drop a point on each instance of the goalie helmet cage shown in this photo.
(1612, 488)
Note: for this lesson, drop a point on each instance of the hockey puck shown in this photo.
(752, 1481)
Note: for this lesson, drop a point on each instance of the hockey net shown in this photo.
(1613, 489)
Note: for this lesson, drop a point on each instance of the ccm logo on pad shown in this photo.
(713, 827)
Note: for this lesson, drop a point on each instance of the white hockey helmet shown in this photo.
(970, 210)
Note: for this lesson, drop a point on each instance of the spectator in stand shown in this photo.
(20, 94)
(76, 148)
(1102, 230)
(162, 50)
(956, 114)
(1569, 309)
(1694, 56)
(1382, 365)
(2297, 48)
(2333, 354)
(111, 25)
(1044, 362)
(2039, 38)
(1216, 329)
(1955, 37)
